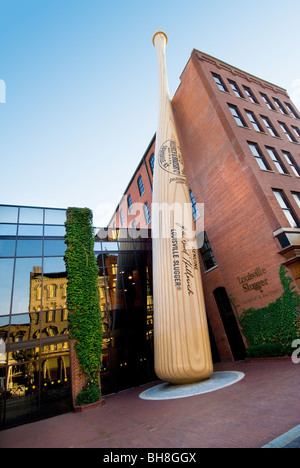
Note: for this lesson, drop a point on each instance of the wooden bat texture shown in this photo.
(182, 352)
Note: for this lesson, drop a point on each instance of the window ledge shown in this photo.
(213, 268)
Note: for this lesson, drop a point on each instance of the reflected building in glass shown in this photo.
(35, 353)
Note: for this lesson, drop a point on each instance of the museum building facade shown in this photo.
(240, 141)
(39, 371)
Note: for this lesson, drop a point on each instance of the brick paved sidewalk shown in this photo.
(248, 414)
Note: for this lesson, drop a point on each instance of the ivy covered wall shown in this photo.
(270, 330)
(83, 299)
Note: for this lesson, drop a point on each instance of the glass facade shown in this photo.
(35, 376)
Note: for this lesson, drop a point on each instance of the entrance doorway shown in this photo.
(231, 327)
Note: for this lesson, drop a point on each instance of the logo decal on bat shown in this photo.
(171, 161)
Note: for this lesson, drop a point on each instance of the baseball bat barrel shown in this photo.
(182, 352)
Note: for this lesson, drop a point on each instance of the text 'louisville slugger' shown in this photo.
(182, 350)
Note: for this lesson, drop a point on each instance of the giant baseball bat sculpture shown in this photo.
(182, 350)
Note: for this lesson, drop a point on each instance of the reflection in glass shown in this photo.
(6, 275)
(55, 231)
(29, 247)
(26, 281)
(30, 230)
(109, 246)
(8, 229)
(7, 247)
(53, 216)
(31, 215)
(8, 214)
(54, 247)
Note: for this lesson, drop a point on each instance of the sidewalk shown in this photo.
(251, 413)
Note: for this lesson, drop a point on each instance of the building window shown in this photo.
(129, 202)
(236, 89)
(50, 317)
(288, 133)
(141, 186)
(219, 82)
(296, 196)
(289, 158)
(52, 290)
(292, 110)
(122, 217)
(296, 130)
(255, 123)
(134, 224)
(259, 156)
(250, 95)
(269, 126)
(151, 161)
(196, 213)
(275, 158)
(147, 214)
(290, 216)
(207, 254)
(237, 116)
(280, 106)
(267, 101)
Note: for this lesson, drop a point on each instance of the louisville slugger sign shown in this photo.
(181, 340)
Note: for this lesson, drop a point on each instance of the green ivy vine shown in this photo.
(83, 299)
(270, 330)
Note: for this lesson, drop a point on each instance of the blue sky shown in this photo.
(81, 102)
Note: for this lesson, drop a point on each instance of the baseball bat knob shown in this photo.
(159, 32)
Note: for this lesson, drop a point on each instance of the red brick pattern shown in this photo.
(241, 212)
(249, 414)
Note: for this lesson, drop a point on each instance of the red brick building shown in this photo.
(240, 140)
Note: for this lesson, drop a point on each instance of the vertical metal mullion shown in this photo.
(10, 316)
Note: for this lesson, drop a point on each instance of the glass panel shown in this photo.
(23, 389)
(8, 229)
(55, 216)
(110, 246)
(29, 247)
(31, 215)
(30, 230)
(290, 218)
(7, 247)
(55, 314)
(55, 266)
(55, 391)
(6, 274)
(97, 246)
(8, 214)
(27, 283)
(4, 330)
(54, 247)
(55, 231)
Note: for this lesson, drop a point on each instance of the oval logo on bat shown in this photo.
(170, 158)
